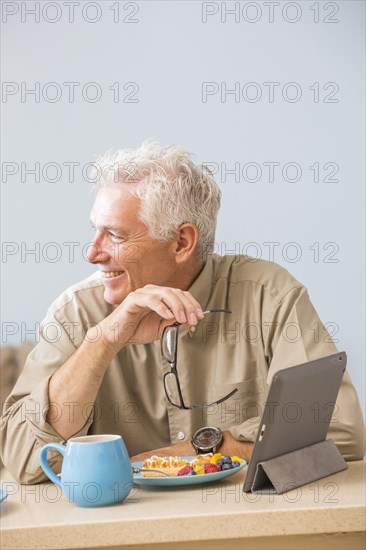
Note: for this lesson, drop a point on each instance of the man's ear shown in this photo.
(185, 242)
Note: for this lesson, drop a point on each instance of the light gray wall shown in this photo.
(170, 50)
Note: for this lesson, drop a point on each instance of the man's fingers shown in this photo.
(192, 308)
(185, 308)
(140, 300)
(169, 303)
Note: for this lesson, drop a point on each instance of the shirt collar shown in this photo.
(201, 287)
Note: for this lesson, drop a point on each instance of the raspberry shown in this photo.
(185, 471)
(211, 468)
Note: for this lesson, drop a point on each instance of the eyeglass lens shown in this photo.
(171, 388)
(168, 343)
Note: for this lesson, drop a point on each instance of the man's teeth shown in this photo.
(108, 274)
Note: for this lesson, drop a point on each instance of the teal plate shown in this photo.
(175, 481)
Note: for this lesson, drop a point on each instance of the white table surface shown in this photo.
(39, 516)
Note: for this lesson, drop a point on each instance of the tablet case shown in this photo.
(298, 410)
(297, 468)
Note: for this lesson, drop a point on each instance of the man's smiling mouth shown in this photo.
(111, 274)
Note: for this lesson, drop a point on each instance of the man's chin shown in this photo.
(113, 298)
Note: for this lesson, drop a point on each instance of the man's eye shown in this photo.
(115, 238)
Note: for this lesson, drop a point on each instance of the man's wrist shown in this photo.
(232, 446)
(99, 348)
(110, 336)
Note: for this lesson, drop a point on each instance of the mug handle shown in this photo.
(44, 462)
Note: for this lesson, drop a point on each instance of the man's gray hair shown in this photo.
(172, 189)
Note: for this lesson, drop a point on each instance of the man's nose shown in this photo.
(96, 253)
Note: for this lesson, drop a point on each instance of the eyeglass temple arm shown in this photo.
(233, 392)
(217, 311)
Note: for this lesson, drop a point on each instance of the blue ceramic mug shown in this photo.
(96, 469)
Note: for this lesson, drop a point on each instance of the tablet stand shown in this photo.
(291, 470)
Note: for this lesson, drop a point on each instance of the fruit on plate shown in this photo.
(215, 458)
(211, 468)
(199, 469)
(185, 471)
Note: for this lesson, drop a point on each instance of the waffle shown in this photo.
(170, 465)
(200, 460)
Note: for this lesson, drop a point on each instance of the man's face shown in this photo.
(128, 258)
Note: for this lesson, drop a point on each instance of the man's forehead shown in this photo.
(115, 192)
(114, 205)
(114, 199)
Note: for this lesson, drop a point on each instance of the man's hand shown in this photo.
(230, 447)
(143, 315)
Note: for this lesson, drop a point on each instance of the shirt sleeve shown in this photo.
(294, 335)
(24, 429)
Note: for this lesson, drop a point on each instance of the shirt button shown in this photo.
(181, 435)
(193, 329)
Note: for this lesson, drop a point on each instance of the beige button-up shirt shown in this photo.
(273, 325)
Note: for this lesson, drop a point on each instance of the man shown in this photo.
(99, 366)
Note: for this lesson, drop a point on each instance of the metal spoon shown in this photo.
(139, 470)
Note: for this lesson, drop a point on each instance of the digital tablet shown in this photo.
(298, 409)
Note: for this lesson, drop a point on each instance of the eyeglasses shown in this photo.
(169, 347)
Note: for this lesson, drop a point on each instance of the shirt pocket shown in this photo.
(245, 404)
